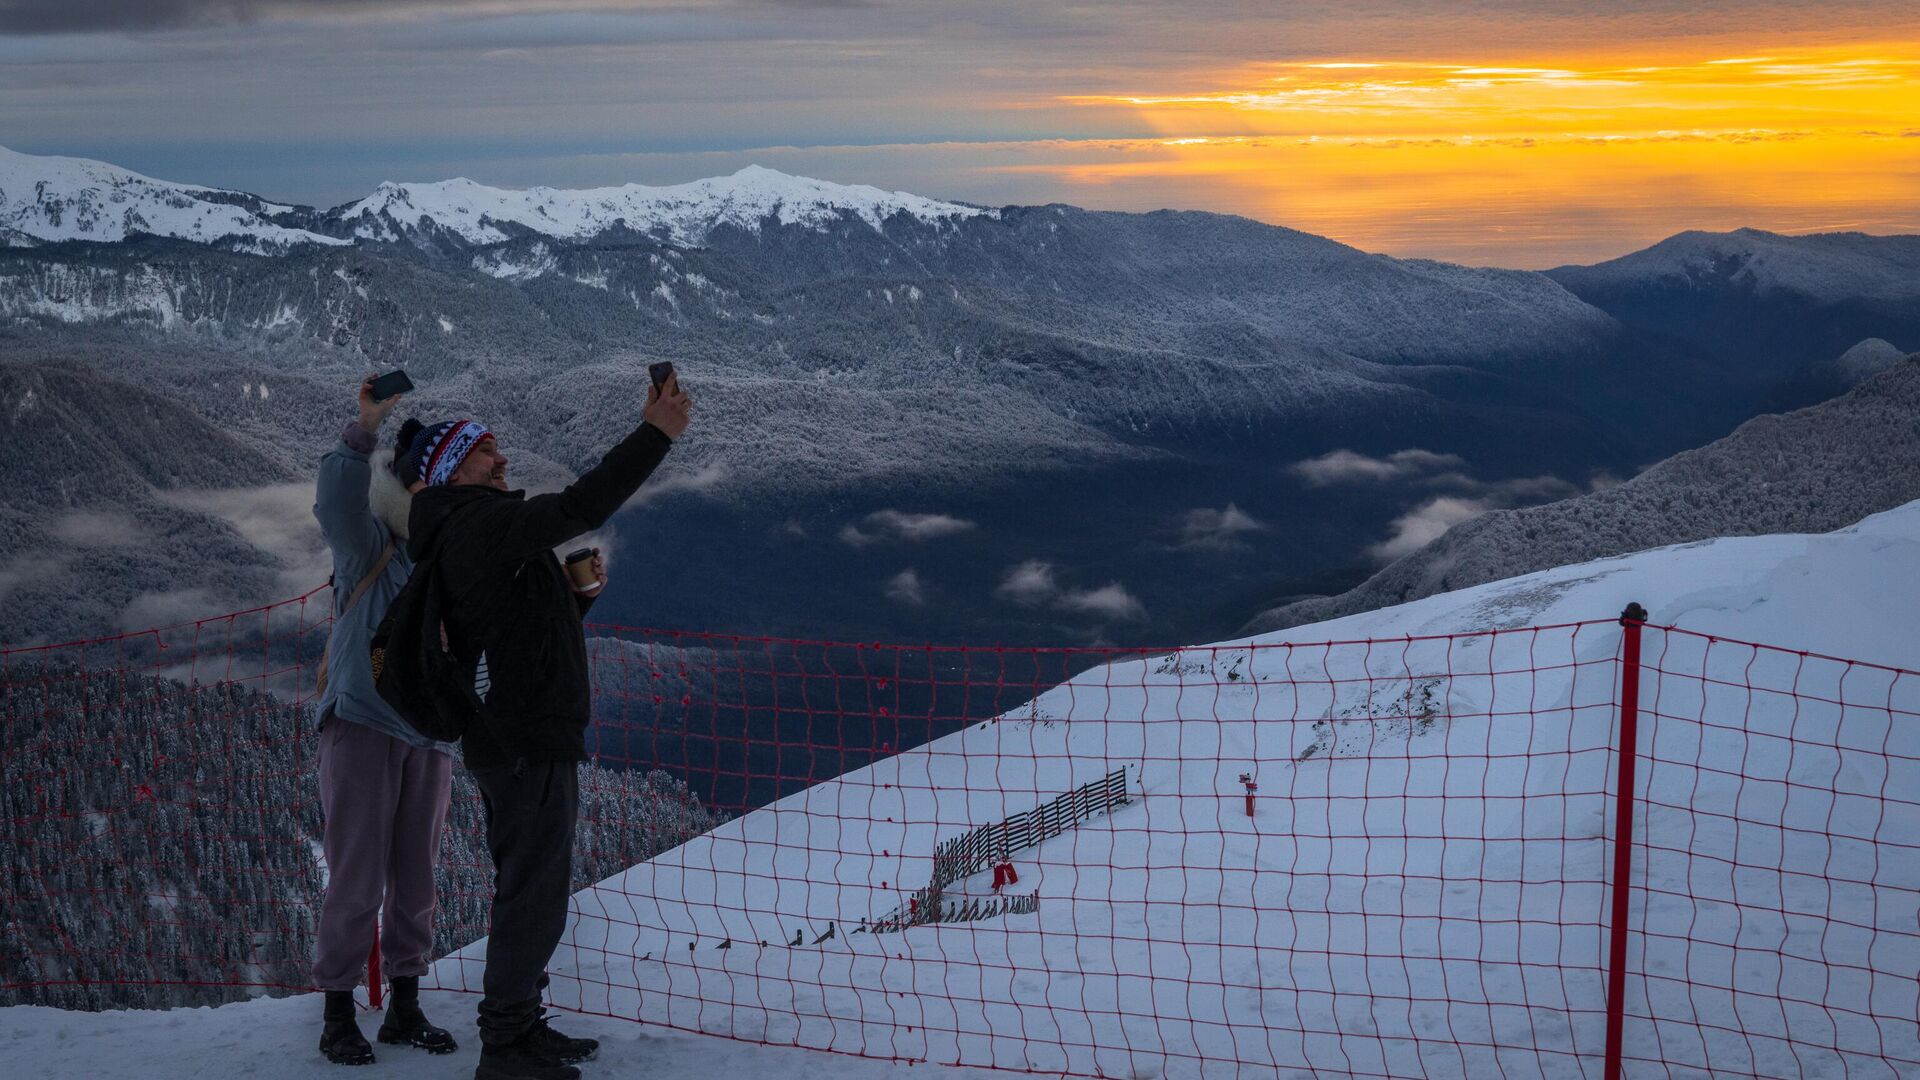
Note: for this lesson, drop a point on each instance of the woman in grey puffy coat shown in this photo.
(383, 787)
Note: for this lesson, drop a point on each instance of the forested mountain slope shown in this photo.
(1806, 471)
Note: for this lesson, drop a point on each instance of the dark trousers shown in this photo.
(530, 812)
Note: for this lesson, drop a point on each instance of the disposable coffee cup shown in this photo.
(580, 569)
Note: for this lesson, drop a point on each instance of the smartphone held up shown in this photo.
(390, 384)
(667, 401)
(660, 373)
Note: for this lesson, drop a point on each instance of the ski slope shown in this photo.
(1422, 889)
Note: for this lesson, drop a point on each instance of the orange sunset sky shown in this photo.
(1474, 160)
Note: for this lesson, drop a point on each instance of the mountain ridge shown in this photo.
(48, 199)
(684, 213)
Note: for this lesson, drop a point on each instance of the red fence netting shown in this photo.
(1387, 858)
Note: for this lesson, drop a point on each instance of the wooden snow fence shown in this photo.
(981, 847)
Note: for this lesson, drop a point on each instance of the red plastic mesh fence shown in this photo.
(1384, 858)
(1775, 923)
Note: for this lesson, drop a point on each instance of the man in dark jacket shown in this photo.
(513, 612)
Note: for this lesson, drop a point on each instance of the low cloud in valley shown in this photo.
(883, 526)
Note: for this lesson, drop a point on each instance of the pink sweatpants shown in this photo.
(385, 803)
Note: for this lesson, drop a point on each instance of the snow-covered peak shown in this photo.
(477, 213)
(46, 199)
(1826, 267)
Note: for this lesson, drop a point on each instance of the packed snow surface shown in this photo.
(61, 198)
(687, 212)
(275, 1037)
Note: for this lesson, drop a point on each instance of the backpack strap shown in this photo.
(360, 590)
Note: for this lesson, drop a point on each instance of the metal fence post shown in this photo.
(373, 974)
(1631, 621)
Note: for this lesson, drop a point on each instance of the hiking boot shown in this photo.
(340, 1038)
(406, 1025)
(519, 1060)
(560, 1048)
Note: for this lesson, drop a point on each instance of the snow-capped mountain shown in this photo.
(49, 199)
(683, 213)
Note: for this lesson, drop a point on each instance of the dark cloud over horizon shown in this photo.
(93, 16)
(85, 16)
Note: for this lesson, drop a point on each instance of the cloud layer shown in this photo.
(1035, 583)
(1207, 529)
(905, 588)
(1347, 466)
(1463, 496)
(1426, 523)
(895, 526)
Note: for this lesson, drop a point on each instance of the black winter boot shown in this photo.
(519, 1060)
(560, 1048)
(340, 1037)
(406, 1025)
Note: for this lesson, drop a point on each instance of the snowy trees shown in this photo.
(160, 844)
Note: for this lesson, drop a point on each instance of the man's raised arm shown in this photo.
(543, 522)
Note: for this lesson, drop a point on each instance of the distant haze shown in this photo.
(1524, 133)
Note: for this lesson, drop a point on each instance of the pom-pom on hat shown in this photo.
(437, 451)
(402, 444)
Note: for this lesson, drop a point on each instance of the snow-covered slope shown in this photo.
(46, 199)
(1826, 267)
(686, 212)
(1422, 890)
